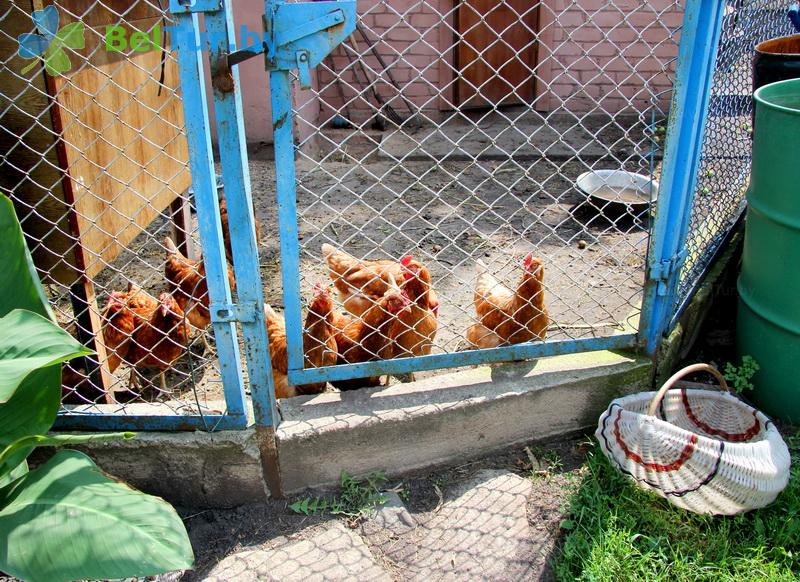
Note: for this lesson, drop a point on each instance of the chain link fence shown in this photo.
(724, 171)
(456, 131)
(452, 132)
(94, 157)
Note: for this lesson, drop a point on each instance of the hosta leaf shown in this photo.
(28, 342)
(60, 440)
(20, 287)
(67, 520)
(31, 410)
(71, 36)
(17, 472)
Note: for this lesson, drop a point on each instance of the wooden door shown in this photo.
(497, 52)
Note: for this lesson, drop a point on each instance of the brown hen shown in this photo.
(187, 279)
(319, 345)
(414, 330)
(508, 317)
(161, 336)
(367, 338)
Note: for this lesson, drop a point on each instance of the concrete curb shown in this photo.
(448, 418)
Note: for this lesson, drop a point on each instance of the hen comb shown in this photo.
(406, 260)
(527, 261)
(318, 289)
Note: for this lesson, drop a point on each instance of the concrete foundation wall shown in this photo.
(448, 418)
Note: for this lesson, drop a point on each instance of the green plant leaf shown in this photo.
(71, 36)
(68, 520)
(20, 287)
(28, 342)
(31, 351)
(31, 410)
(20, 470)
(60, 440)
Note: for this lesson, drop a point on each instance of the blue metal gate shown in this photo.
(297, 37)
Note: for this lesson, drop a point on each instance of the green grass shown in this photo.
(616, 532)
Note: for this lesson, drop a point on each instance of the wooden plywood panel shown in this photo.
(497, 52)
(120, 142)
(125, 153)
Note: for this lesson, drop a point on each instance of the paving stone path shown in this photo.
(480, 532)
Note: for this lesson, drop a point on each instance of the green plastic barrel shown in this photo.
(768, 326)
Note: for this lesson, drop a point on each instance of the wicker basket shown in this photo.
(711, 453)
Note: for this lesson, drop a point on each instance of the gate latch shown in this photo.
(661, 271)
(232, 312)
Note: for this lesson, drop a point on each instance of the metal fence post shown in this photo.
(190, 65)
(233, 157)
(700, 34)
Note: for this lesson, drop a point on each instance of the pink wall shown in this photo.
(593, 56)
(591, 53)
(255, 85)
(253, 76)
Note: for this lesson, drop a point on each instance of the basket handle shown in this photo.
(654, 404)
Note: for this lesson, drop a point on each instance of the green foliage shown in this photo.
(111, 530)
(615, 531)
(67, 519)
(20, 287)
(357, 498)
(740, 376)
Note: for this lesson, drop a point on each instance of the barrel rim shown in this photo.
(762, 48)
(762, 100)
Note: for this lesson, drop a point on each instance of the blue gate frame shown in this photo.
(297, 37)
(697, 55)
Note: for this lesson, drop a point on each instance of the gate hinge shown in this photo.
(661, 271)
(231, 312)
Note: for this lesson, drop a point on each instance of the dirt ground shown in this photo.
(448, 215)
(217, 533)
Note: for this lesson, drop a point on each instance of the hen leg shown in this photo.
(206, 346)
(405, 378)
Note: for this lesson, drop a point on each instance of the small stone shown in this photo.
(436, 248)
(392, 517)
(581, 244)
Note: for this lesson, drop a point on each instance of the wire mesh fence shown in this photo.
(94, 157)
(499, 161)
(724, 171)
(456, 132)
